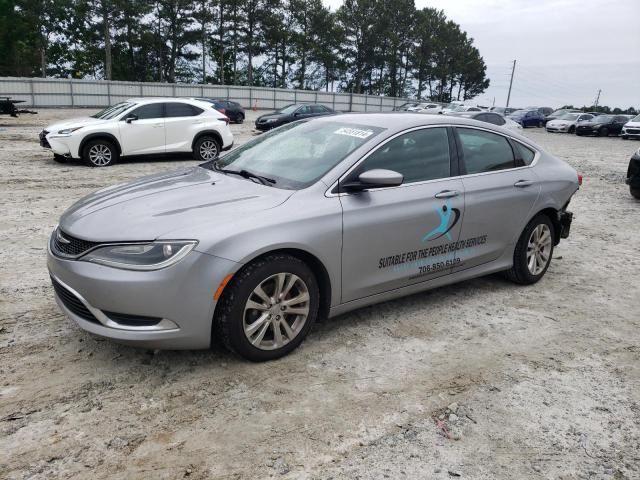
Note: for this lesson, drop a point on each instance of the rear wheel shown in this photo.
(635, 192)
(540, 124)
(240, 118)
(206, 149)
(604, 132)
(100, 153)
(269, 308)
(572, 129)
(533, 252)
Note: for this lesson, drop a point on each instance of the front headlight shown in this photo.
(141, 256)
(271, 120)
(68, 131)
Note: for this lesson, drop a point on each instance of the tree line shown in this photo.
(604, 109)
(377, 47)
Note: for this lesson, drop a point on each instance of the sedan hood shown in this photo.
(174, 202)
(272, 115)
(73, 122)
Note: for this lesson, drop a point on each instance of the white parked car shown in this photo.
(462, 109)
(567, 123)
(631, 129)
(144, 126)
(426, 108)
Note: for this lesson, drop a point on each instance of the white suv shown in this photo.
(144, 126)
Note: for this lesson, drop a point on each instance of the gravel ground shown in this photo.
(480, 380)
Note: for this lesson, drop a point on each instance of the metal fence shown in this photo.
(53, 92)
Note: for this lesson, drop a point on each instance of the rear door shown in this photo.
(182, 122)
(500, 192)
(146, 135)
(397, 236)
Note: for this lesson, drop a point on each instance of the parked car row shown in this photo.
(601, 125)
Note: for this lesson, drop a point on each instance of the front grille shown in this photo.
(72, 302)
(633, 131)
(43, 139)
(65, 245)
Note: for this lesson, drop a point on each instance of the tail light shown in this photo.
(224, 119)
(579, 180)
(221, 110)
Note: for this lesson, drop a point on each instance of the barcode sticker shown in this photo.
(354, 132)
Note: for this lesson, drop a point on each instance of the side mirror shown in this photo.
(374, 179)
(131, 117)
(297, 114)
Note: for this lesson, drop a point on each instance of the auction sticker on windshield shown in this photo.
(354, 132)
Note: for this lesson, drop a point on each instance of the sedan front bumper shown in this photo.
(171, 308)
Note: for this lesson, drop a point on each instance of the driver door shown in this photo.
(146, 135)
(397, 236)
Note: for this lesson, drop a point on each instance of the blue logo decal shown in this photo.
(445, 219)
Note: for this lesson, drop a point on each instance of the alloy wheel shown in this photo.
(100, 155)
(539, 249)
(276, 311)
(208, 150)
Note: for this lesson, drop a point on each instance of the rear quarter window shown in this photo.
(524, 155)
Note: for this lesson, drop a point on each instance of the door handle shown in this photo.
(523, 183)
(447, 194)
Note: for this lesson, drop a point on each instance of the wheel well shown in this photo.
(552, 213)
(318, 269)
(99, 136)
(208, 133)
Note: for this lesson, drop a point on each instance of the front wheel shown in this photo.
(572, 129)
(533, 252)
(625, 137)
(604, 132)
(268, 308)
(540, 125)
(100, 153)
(635, 192)
(206, 149)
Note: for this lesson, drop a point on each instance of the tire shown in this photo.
(572, 129)
(234, 318)
(625, 137)
(206, 148)
(240, 118)
(635, 192)
(578, 134)
(603, 132)
(100, 153)
(521, 271)
(539, 124)
(59, 158)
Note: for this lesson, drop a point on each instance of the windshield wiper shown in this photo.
(245, 174)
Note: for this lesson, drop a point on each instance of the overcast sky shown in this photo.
(565, 49)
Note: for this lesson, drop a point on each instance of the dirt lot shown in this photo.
(536, 382)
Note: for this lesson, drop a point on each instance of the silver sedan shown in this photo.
(310, 220)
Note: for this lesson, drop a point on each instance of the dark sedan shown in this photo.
(633, 175)
(291, 113)
(528, 118)
(602, 125)
(231, 109)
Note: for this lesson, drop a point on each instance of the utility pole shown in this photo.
(595, 105)
(511, 82)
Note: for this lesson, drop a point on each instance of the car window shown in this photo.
(318, 109)
(176, 109)
(524, 155)
(304, 110)
(151, 110)
(585, 117)
(494, 118)
(474, 109)
(484, 151)
(419, 155)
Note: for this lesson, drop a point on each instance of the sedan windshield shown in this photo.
(569, 116)
(298, 154)
(288, 109)
(636, 119)
(113, 111)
